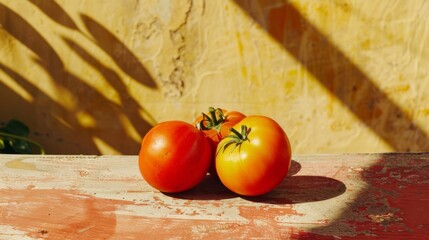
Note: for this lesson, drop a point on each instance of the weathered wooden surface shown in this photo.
(364, 196)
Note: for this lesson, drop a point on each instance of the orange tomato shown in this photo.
(255, 157)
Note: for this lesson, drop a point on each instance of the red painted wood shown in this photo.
(363, 196)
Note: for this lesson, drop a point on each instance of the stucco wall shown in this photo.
(91, 77)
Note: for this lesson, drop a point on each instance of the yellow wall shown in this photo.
(91, 77)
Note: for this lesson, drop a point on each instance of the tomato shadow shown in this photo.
(302, 189)
(210, 188)
(294, 168)
(294, 189)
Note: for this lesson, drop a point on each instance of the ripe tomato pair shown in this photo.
(175, 156)
(251, 155)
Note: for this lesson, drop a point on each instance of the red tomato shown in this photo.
(174, 156)
(216, 125)
(254, 161)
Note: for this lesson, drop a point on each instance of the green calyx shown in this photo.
(212, 121)
(236, 138)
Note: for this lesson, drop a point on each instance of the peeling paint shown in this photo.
(325, 197)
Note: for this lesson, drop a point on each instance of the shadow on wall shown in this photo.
(338, 74)
(61, 122)
(345, 80)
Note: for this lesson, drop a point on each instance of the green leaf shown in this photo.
(20, 146)
(14, 139)
(6, 147)
(17, 128)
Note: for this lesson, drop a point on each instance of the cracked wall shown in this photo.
(339, 76)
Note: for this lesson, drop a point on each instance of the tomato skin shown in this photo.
(216, 129)
(174, 156)
(217, 133)
(258, 164)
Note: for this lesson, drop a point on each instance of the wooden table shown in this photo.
(360, 196)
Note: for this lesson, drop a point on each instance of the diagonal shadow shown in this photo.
(54, 109)
(132, 107)
(295, 33)
(392, 205)
(19, 28)
(341, 76)
(87, 99)
(122, 56)
(53, 10)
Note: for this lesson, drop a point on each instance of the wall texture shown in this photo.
(91, 77)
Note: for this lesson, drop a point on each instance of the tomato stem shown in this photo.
(243, 135)
(236, 138)
(215, 119)
(212, 112)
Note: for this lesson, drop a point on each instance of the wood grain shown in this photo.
(368, 196)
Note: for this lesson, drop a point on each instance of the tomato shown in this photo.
(216, 125)
(174, 156)
(217, 122)
(254, 161)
